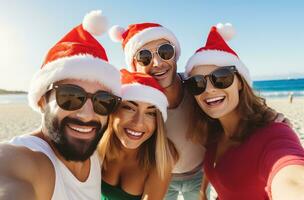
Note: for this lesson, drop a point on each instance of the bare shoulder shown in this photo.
(22, 168)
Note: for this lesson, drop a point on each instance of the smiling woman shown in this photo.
(136, 133)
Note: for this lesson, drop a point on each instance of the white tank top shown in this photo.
(191, 155)
(67, 186)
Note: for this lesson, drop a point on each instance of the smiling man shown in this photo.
(75, 90)
(153, 49)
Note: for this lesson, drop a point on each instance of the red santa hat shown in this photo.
(78, 55)
(217, 52)
(143, 87)
(138, 35)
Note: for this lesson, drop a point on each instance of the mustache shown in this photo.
(69, 120)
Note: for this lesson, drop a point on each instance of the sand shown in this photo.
(17, 119)
(293, 111)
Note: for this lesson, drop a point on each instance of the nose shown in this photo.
(86, 112)
(156, 61)
(209, 86)
(138, 119)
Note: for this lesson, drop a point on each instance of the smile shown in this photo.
(161, 74)
(215, 100)
(134, 134)
(81, 132)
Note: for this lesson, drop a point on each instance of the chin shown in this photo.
(131, 146)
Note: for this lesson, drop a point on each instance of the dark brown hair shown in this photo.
(253, 112)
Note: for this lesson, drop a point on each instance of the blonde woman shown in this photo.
(137, 156)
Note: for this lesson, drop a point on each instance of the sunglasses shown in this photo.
(72, 97)
(164, 51)
(220, 78)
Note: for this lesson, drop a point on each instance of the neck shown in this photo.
(174, 92)
(80, 169)
(230, 123)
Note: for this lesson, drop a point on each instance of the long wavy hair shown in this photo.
(156, 152)
(252, 109)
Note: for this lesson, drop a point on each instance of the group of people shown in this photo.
(146, 131)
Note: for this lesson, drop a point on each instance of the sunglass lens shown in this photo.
(222, 78)
(69, 97)
(104, 103)
(166, 51)
(144, 57)
(196, 84)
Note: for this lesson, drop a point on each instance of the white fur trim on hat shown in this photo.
(139, 92)
(218, 58)
(81, 67)
(148, 35)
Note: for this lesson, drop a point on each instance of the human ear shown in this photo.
(42, 103)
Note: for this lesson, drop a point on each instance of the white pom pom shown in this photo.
(95, 23)
(227, 31)
(116, 32)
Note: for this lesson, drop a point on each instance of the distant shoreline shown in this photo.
(11, 92)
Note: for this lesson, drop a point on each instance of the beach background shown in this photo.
(17, 118)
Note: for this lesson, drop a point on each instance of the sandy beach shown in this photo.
(18, 118)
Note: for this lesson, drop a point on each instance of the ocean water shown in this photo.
(265, 88)
(279, 88)
(13, 98)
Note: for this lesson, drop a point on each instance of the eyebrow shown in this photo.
(136, 104)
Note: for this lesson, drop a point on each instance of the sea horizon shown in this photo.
(271, 88)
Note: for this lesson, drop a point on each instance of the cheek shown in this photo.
(103, 120)
(141, 69)
(234, 98)
(116, 127)
(199, 100)
(151, 123)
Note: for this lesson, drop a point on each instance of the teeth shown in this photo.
(214, 99)
(83, 130)
(159, 73)
(135, 133)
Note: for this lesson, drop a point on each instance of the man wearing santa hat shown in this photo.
(75, 91)
(153, 49)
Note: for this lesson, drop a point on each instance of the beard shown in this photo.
(72, 149)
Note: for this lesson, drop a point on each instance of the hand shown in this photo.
(202, 196)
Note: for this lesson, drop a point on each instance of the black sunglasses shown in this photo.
(164, 51)
(72, 97)
(220, 78)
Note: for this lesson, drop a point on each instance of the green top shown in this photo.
(110, 192)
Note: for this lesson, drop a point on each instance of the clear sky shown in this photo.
(269, 40)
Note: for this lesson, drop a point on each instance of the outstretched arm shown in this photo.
(288, 183)
(22, 174)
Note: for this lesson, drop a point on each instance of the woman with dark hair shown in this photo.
(248, 155)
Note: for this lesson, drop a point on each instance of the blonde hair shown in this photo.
(156, 152)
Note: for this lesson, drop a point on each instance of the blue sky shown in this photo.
(269, 40)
